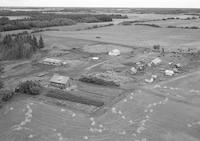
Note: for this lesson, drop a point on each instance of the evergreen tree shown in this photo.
(19, 46)
(35, 42)
(1, 71)
(41, 42)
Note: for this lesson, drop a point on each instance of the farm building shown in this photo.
(114, 52)
(133, 70)
(95, 58)
(156, 61)
(52, 61)
(59, 81)
(169, 72)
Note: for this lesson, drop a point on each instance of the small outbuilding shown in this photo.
(133, 70)
(114, 52)
(178, 65)
(95, 58)
(169, 72)
(59, 81)
(149, 80)
(52, 61)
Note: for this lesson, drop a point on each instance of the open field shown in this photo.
(152, 16)
(140, 36)
(103, 48)
(177, 23)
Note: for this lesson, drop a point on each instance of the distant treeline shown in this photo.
(75, 10)
(165, 10)
(39, 19)
(152, 25)
(19, 46)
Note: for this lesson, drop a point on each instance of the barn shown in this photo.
(59, 81)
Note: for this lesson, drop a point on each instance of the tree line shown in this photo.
(40, 19)
(19, 46)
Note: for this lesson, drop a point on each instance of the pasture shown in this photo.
(135, 36)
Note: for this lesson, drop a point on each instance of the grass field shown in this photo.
(103, 48)
(146, 114)
(140, 36)
(152, 16)
(177, 23)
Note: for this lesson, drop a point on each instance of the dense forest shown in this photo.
(40, 19)
(19, 46)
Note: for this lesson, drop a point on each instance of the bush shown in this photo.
(126, 23)
(194, 27)
(6, 95)
(171, 26)
(156, 47)
(152, 25)
(29, 87)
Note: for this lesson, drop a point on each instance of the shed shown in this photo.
(52, 61)
(114, 52)
(169, 72)
(156, 61)
(133, 70)
(95, 58)
(59, 81)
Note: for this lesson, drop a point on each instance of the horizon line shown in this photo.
(97, 7)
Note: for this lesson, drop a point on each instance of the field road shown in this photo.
(95, 65)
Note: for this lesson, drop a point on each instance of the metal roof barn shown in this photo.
(52, 61)
(60, 81)
(156, 61)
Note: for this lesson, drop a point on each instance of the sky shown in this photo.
(103, 3)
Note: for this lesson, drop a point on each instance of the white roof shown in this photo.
(59, 79)
(156, 61)
(169, 72)
(95, 58)
(133, 69)
(52, 60)
(114, 52)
